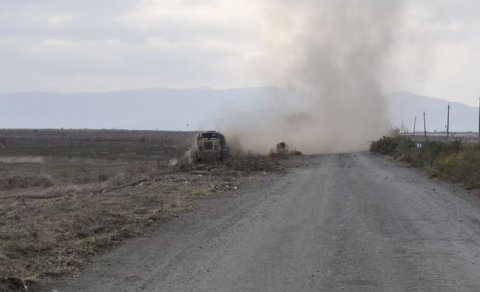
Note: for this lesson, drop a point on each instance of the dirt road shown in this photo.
(353, 222)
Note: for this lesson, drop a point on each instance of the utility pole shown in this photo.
(479, 119)
(448, 121)
(424, 125)
(414, 126)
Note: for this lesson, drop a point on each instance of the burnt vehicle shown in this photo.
(210, 145)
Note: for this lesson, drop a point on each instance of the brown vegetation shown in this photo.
(58, 211)
(453, 161)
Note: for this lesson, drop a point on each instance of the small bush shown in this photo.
(386, 145)
(460, 167)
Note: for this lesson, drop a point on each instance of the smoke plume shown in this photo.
(331, 55)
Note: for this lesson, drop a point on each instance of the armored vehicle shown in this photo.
(210, 145)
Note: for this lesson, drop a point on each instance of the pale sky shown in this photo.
(85, 45)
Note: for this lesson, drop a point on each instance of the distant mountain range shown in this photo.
(404, 106)
(193, 109)
(158, 108)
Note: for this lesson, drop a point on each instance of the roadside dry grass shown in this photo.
(453, 161)
(57, 213)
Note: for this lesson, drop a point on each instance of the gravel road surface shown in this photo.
(348, 222)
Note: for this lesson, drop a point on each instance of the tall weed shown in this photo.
(452, 161)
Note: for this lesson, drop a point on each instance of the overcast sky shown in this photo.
(86, 45)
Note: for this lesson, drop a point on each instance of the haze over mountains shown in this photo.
(194, 109)
(404, 106)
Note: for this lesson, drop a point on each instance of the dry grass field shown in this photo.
(67, 195)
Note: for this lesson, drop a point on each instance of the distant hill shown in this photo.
(404, 106)
(192, 109)
(157, 108)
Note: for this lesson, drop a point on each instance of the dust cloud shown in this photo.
(331, 55)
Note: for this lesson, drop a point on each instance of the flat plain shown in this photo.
(68, 195)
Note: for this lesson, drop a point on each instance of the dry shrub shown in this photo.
(296, 153)
(252, 163)
(459, 167)
(452, 161)
(386, 145)
(22, 182)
